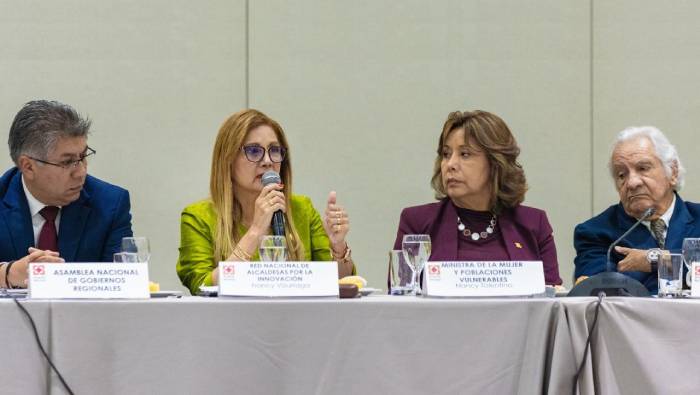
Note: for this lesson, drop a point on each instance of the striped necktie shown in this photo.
(658, 227)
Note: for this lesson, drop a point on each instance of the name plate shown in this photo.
(99, 280)
(278, 279)
(484, 278)
(695, 280)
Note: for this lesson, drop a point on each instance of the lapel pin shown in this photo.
(518, 245)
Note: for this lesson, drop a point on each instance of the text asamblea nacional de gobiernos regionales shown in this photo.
(91, 280)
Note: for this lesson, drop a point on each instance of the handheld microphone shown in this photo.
(647, 213)
(271, 177)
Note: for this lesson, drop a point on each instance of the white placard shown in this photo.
(695, 280)
(98, 280)
(275, 279)
(484, 278)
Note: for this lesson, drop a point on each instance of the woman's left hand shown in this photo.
(336, 223)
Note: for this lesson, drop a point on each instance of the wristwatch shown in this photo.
(653, 256)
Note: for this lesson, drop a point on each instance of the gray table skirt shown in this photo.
(372, 345)
(641, 346)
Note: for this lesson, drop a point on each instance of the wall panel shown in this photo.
(156, 77)
(363, 88)
(646, 61)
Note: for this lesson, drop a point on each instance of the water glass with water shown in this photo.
(691, 254)
(400, 274)
(139, 246)
(416, 250)
(670, 275)
(126, 257)
(273, 249)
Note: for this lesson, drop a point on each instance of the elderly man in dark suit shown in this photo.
(52, 210)
(648, 174)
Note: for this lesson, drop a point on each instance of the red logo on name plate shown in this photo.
(434, 271)
(697, 271)
(38, 270)
(229, 270)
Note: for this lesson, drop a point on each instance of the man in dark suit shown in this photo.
(52, 210)
(648, 174)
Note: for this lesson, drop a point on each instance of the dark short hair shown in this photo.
(490, 134)
(40, 123)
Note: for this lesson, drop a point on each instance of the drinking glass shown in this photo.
(691, 254)
(416, 251)
(139, 246)
(126, 257)
(400, 274)
(670, 275)
(273, 249)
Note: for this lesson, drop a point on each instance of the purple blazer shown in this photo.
(526, 233)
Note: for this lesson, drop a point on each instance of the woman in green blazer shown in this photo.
(231, 223)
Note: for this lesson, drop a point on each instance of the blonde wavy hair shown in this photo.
(229, 212)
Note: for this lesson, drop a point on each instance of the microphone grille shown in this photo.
(649, 212)
(271, 177)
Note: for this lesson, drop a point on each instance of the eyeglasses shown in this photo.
(256, 153)
(69, 164)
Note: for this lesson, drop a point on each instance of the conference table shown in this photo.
(640, 346)
(369, 345)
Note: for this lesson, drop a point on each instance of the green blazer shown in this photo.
(197, 227)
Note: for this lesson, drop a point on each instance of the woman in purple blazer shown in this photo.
(479, 185)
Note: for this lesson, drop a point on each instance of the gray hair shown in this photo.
(38, 126)
(665, 151)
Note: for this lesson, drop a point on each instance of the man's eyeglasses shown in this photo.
(256, 153)
(69, 164)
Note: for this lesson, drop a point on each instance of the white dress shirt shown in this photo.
(34, 207)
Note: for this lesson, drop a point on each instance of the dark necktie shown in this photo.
(658, 227)
(48, 238)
